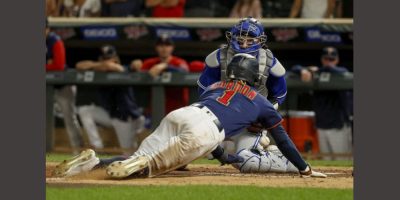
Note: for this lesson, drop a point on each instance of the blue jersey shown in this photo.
(276, 82)
(238, 105)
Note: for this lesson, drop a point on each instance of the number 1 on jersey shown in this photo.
(226, 97)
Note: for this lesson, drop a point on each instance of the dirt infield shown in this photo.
(199, 174)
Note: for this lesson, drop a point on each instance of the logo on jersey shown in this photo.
(233, 88)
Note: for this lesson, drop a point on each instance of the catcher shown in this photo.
(248, 36)
(194, 131)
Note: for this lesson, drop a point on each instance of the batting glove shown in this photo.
(308, 172)
(225, 158)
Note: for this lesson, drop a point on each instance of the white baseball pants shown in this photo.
(182, 136)
(125, 130)
(65, 98)
(335, 141)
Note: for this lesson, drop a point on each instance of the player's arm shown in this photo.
(99, 66)
(330, 9)
(58, 61)
(86, 65)
(225, 158)
(180, 66)
(296, 7)
(289, 150)
(271, 120)
(276, 82)
(211, 72)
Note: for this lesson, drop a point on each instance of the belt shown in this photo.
(216, 121)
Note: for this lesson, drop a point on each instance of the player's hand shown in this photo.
(225, 158)
(313, 68)
(157, 69)
(136, 65)
(306, 75)
(308, 172)
(230, 159)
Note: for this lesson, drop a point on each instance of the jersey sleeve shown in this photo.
(268, 116)
(276, 83)
(58, 63)
(211, 72)
(178, 65)
(147, 64)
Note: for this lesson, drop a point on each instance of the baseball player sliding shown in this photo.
(224, 109)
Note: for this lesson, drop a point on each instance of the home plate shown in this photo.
(335, 173)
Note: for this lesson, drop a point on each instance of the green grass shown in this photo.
(56, 157)
(195, 192)
(59, 157)
(335, 163)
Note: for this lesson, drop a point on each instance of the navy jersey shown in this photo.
(238, 105)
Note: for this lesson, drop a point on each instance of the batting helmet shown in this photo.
(243, 67)
(248, 30)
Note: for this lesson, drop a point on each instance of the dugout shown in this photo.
(293, 41)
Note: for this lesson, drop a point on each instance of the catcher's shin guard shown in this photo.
(83, 162)
(137, 165)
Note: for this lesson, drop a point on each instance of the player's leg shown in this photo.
(340, 141)
(160, 135)
(195, 136)
(65, 97)
(152, 143)
(260, 157)
(90, 115)
(269, 160)
(125, 133)
(247, 140)
(323, 140)
(83, 162)
(139, 124)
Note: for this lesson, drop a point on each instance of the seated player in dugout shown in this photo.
(114, 106)
(194, 131)
(176, 97)
(333, 109)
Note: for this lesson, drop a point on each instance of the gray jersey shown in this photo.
(268, 65)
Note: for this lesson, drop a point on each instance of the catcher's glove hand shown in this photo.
(308, 172)
(225, 158)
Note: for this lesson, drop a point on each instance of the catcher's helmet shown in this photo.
(243, 67)
(248, 30)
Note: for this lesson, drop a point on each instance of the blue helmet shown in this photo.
(248, 30)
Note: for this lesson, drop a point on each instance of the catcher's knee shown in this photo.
(251, 163)
(255, 162)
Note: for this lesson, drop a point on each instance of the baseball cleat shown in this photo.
(83, 162)
(122, 169)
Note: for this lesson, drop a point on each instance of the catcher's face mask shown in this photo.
(246, 36)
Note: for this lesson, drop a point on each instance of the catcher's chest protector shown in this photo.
(265, 59)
